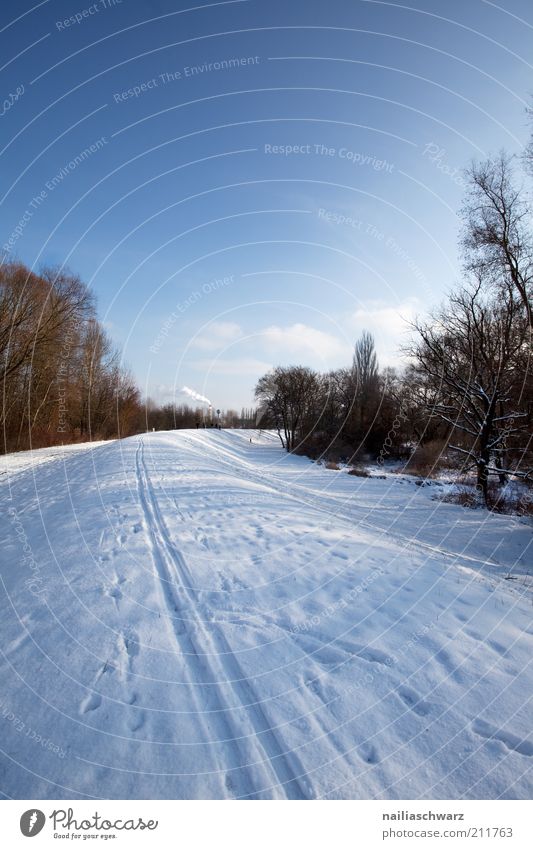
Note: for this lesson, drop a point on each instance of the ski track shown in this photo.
(215, 665)
(342, 717)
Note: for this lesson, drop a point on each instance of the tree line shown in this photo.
(61, 376)
(465, 397)
(172, 416)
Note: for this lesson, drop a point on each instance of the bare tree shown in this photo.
(497, 239)
(471, 352)
(357, 390)
(289, 395)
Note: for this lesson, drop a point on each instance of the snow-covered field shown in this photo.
(193, 615)
(21, 461)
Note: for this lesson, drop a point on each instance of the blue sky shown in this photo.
(251, 183)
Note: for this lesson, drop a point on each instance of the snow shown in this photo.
(21, 461)
(190, 614)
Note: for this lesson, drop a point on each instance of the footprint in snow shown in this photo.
(301, 723)
(474, 635)
(230, 787)
(372, 655)
(328, 657)
(413, 701)
(510, 740)
(131, 644)
(238, 584)
(497, 647)
(451, 669)
(326, 694)
(114, 593)
(368, 753)
(90, 703)
(224, 583)
(135, 723)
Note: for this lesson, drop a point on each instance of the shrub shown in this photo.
(506, 500)
(426, 459)
(465, 497)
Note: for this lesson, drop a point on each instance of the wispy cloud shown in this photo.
(217, 335)
(302, 340)
(388, 324)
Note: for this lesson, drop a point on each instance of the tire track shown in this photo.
(260, 762)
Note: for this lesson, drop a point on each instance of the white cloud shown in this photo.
(217, 335)
(302, 340)
(381, 317)
(388, 324)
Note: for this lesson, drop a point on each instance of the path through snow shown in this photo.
(191, 615)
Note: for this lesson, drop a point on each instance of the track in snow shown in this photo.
(220, 620)
(301, 497)
(213, 666)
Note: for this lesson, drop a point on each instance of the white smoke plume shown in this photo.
(196, 395)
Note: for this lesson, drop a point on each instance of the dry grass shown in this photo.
(359, 473)
(464, 497)
(518, 503)
(425, 459)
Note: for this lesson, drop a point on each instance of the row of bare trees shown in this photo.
(173, 416)
(61, 377)
(468, 385)
(344, 414)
